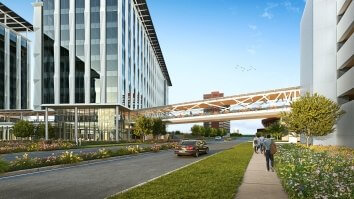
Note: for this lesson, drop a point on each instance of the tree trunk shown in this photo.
(307, 141)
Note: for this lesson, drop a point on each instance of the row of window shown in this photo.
(145, 83)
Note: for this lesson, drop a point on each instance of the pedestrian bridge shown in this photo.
(258, 105)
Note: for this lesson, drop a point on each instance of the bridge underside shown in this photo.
(274, 113)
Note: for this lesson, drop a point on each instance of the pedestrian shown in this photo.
(261, 143)
(270, 150)
(255, 144)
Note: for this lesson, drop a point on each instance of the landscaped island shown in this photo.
(316, 171)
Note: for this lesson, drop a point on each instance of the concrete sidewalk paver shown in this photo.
(259, 183)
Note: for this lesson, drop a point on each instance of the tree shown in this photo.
(23, 129)
(40, 131)
(207, 131)
(158, 127)
(213, 132)
(143, 126)
(312, 115)
(277, 130)
(196, 130)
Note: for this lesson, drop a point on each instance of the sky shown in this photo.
(203, 41)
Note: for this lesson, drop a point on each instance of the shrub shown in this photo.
(4, 166)
(308, 173)
(69, 158)
(24, 162)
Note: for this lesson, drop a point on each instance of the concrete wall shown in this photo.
(321, 63)
(306, 46)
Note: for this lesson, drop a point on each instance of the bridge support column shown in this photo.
(129, 127)
(117, 123)
(46, 123)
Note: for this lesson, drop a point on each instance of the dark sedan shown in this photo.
(192, 147)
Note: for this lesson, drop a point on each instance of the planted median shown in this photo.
(26, 162)
(217, 176)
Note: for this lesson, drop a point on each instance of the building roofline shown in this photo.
(145, 17)
(13, 20)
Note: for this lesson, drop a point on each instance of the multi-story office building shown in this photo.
(14, 60)
(222, 124)
(94, 59)
(14, 66)
(327, 60)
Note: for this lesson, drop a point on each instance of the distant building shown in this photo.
(223, 124)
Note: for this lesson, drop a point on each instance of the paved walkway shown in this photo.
(259, 183)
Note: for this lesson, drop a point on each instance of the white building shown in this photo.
(327, 60)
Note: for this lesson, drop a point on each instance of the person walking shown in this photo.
(261, 143)
(255, 144)
(270, 150)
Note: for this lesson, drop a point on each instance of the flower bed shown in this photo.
(25, 162)
(15, 146)
(315, 172)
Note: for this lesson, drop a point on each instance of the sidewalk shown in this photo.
(259, 183)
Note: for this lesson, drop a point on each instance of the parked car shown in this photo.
(218, 138)
(192, 147)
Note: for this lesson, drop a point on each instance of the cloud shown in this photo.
(251, 51)
(252, 27)
(267, 12)
(290, 7)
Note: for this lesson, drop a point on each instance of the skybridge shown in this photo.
(257, 105)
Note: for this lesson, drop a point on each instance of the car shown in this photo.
(192, 147)
(218, 138)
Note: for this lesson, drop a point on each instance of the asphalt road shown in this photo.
(99, 179)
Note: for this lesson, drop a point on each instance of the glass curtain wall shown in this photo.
(112, 50)
(2, 67)
(13, 70)
(64, 51)
(123, 84)
(24, 76)
(80, 52)
(134, 61)
(94, 124)
(129, 54)
(48, 52)
(95, 52)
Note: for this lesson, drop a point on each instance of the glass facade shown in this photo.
(24, 75)
(95, 52)
(13, 71)
(48, 52)
(94, 124)
(64, 51)
(80, 52)
(123, 83)
(112, 50)
(141, 84)
(2, 67)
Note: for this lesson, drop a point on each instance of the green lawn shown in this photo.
(218, 176)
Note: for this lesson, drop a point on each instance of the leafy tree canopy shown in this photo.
(312, 115)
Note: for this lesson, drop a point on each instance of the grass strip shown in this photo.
(218, 176)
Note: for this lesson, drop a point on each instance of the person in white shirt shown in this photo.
(261, 142)
(255, 143)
